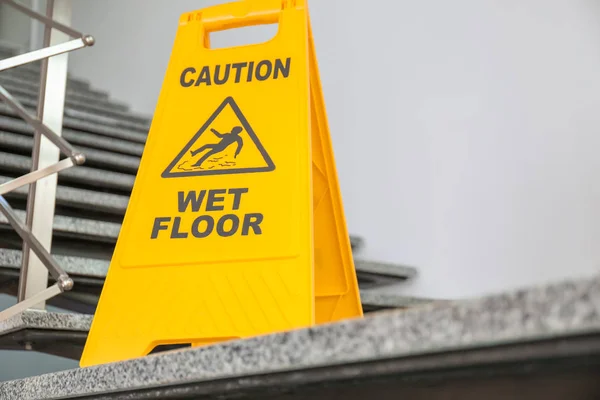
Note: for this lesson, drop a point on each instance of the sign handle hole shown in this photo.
(243, 36)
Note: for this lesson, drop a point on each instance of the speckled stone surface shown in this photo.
(121, 162)
(93, 113)
(371, 297)
(79, 138)
(98, 268)
(72, 265)
(31, 72)
(388, 269)
(81, 198)
(99, 230)
(90, 126)
(553, 311)
(74, 99)
(374, 298)
(31, 104)
(79, 266)
(80, 174)
(111, 131)
(46, 320)
(106, 120)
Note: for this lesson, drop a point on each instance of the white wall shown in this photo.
(466, 131)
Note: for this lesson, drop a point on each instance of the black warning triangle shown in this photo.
(215, 156)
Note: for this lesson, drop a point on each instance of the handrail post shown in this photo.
(42, 194)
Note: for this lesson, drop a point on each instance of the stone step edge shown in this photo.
(10, 258)
(557, 312)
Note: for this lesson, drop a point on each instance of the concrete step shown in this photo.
(31, 69)
(101, 128)
(24, 81)
(73, 93)
(80, 199)
(96, 269)
(377, 274)
(95, 158)
(90, 177)
(91, 116)
(78, 267)
(80, 228)
(539, 342)
(60, 334)
(375, 300)
(31, 72)
(78, 138)
(29, 97)
(13, 84)
(89, 275)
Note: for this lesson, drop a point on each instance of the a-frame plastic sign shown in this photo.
(235, 225)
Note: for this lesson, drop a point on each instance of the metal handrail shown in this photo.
(73, 157)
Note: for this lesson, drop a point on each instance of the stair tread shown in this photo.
(83, 175)
(15, 85)
(32, 73)
(82, 199)
(60, 334)
(32, 319)
(91, 229)
(97, 268)
(376, 299)
(78, 138)
(91, 116)
(388, 269)
(105, 128)
(76, 266)
(481, 327)
(99, 158)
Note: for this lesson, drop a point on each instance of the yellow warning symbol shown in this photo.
(235, 226)
(225, 144)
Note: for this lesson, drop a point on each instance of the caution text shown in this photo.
(247, 71)
(209, 220)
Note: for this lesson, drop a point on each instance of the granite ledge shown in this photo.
(82, 199)
(78, 137)
(534, 314)
(89, 267)
(387, 269)
(115, 181)
(99, 268)
(32, 319)
(376, 299)
(92, 229)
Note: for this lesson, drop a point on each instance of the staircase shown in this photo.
(538, 342)
(90, 204)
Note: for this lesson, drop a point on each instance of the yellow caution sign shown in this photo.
(235, 225)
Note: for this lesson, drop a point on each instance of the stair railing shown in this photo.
(36, 231)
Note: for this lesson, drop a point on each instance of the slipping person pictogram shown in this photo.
(226, 140)
(210, 152)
